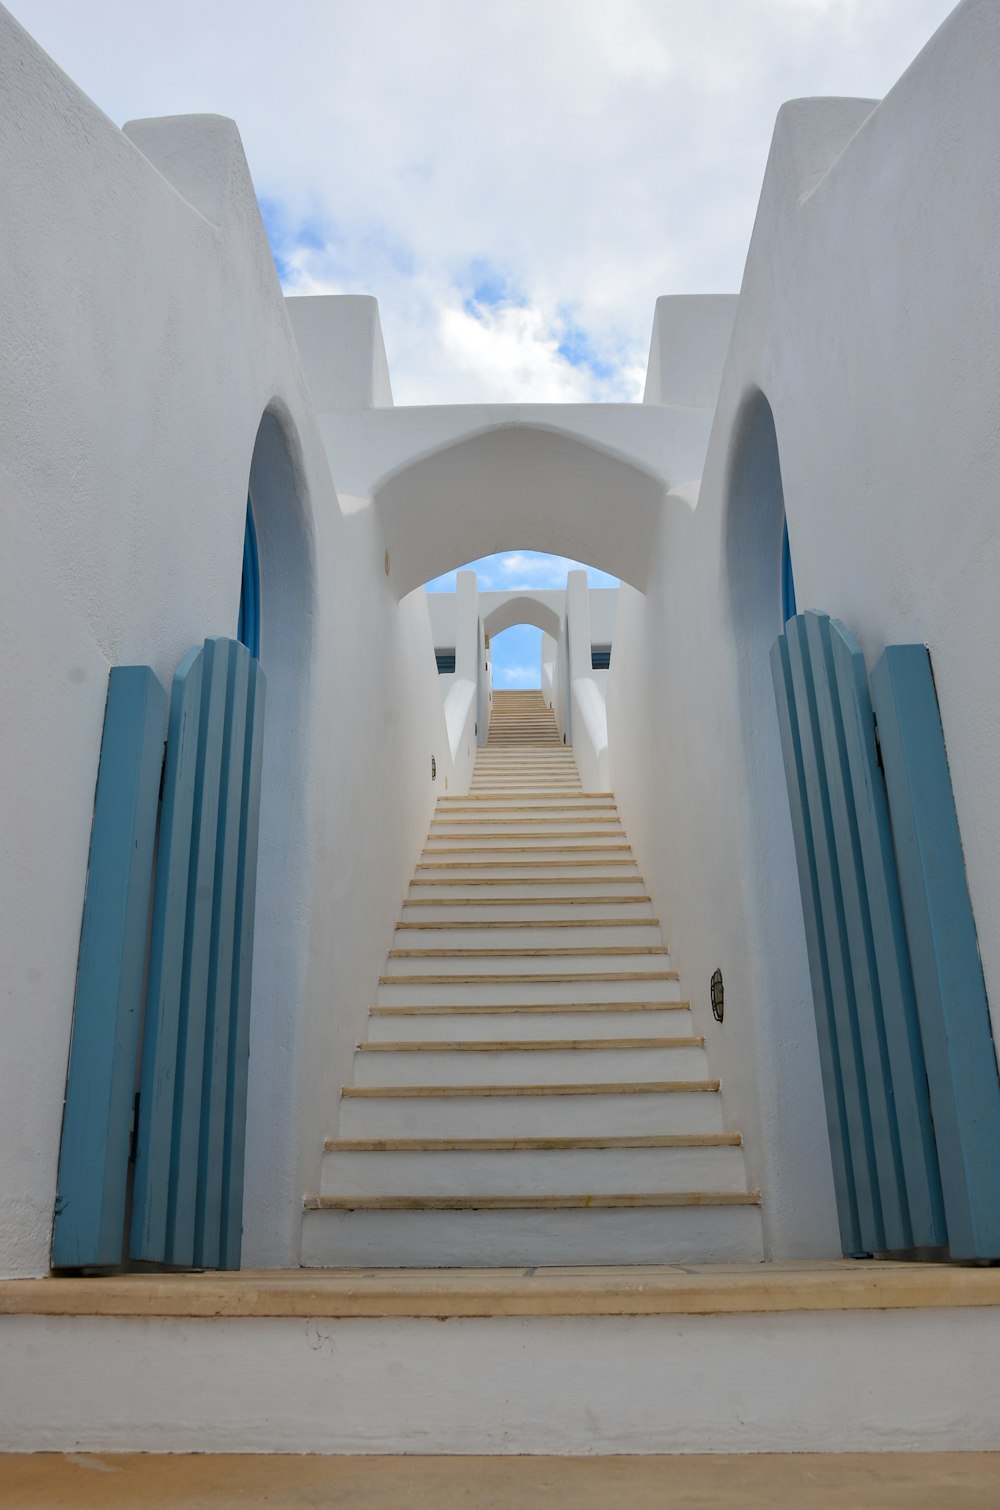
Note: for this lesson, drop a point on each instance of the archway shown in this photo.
(519, 486)
(285, 619)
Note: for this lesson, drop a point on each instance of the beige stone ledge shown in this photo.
(807, 1481)
(626, 1291)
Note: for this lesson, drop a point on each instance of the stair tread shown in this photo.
(540, 952)
(614, 1201)
(473, 1010)
(534, 1145)
(526, 902)
(526, 1045)
(536, 922)
(589, 1088)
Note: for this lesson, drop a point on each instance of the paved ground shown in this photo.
(872, 1481)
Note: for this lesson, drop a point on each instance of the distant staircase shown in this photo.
(531, 1091)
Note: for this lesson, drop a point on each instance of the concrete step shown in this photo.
(471, 963)
(498, 909)
(529, 802)
(751, 1359)
(454, 1166)
(523, 826)
(627, 1232)
(525, 1062)
(575, 807)
(508, 989)
(538, 867)
(623, 884)
(529, 1111)
(612, 1020)
(479, 933)
(518, 831)
(501, 848)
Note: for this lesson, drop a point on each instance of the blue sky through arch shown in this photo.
(517, 651)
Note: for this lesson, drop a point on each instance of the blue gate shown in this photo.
(906, 1053)
(187, 1122)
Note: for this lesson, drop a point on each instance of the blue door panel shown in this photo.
(819, 968)
(107, 1013)
(909, 1073)
(941, 932)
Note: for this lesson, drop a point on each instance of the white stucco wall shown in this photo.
(869, 317)
(144, 336)
(131, 398)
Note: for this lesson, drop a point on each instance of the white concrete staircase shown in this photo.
(531, 1090)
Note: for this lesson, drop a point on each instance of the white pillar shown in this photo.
(467, 625)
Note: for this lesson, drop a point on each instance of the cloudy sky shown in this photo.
(515, 180)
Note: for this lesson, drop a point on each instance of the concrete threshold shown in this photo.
(648, 1290)
(799, 1481)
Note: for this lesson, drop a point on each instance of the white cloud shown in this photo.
(517, 676)
(592, 155)
(532, 569)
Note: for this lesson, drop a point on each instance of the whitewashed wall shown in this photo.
(144, 337)
(870, 319)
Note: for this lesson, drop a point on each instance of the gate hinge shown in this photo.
(133, 1137)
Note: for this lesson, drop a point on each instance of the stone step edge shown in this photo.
(506, 1008)
(649, 1200)
(453, 923)
(532, 1145)
(581, 951)
(591, 1088)
(532, 902)
(525, 1045)
(538, 881)
(833, 1285)
(519, 979)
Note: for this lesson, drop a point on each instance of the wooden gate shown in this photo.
(907, 1059)
(190, 1009)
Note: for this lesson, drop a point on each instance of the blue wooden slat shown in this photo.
(93, 1158)
(826, 1028)
(941, 933)
(895, 979)
(207, 1243)
(248, 627)
(239, 1034)
(848, 1035)
(186, 1136)
(159, 1053)
(862, 963)
(788, 609)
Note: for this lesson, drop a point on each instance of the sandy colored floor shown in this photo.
(873, 1481)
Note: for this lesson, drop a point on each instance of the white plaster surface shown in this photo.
(131, 396)
(141, 394)
(869, 317)
(838, 1381)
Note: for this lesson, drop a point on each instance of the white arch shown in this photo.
(519, 486)
(523, 608)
